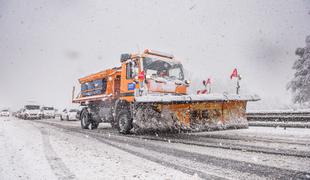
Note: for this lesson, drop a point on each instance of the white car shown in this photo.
(31, 112)
(18, 114)
(48, 112)
(69, 114)
(5, 112)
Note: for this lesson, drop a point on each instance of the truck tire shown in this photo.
(113, 121)
(114, 124)
(67, 118)
(124, 121)
(94, 125)
(61, 118)
(85, 119)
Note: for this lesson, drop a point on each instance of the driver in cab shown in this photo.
(162, 73)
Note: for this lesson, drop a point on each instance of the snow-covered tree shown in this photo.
(300, 84)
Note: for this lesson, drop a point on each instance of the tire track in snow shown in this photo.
(184, 169)
(205, 141)
(241, 166)
(61, 171)
(230, 145)
(253, 138)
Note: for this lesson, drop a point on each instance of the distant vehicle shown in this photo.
(19, 114)
(5, 112)
(57, 113)
(31, 112)
(69, 114)
(48, 112)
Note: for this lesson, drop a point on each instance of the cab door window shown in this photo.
(129, 71)
(131, 68)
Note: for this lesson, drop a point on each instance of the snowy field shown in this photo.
(54, 149)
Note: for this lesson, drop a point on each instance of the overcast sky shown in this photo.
(45, 46)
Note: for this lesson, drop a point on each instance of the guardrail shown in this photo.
(299, 119)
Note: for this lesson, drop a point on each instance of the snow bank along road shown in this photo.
(53, 149)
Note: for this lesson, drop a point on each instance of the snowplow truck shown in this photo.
(148, 92)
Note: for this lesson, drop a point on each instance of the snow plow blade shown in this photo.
(190, 112)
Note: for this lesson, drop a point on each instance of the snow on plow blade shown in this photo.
(191, 112)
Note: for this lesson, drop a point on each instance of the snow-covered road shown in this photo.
(53, 149)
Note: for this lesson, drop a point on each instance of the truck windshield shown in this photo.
(162, 68)
(32, 107)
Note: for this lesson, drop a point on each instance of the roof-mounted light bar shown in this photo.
(157, 53)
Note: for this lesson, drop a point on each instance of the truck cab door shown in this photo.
(128, 85)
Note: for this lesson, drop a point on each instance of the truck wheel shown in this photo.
(114, 124)
(113, 121)
(94, 125)
(85, 121)
(67, 118)
(124, 121)
(61, 118)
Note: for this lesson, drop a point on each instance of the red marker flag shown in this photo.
(204, 91)
(234, 73)
(208, 81)
(141, 75)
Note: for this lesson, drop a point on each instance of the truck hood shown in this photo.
(162, 85)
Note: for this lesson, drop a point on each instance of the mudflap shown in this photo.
(189, 116)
